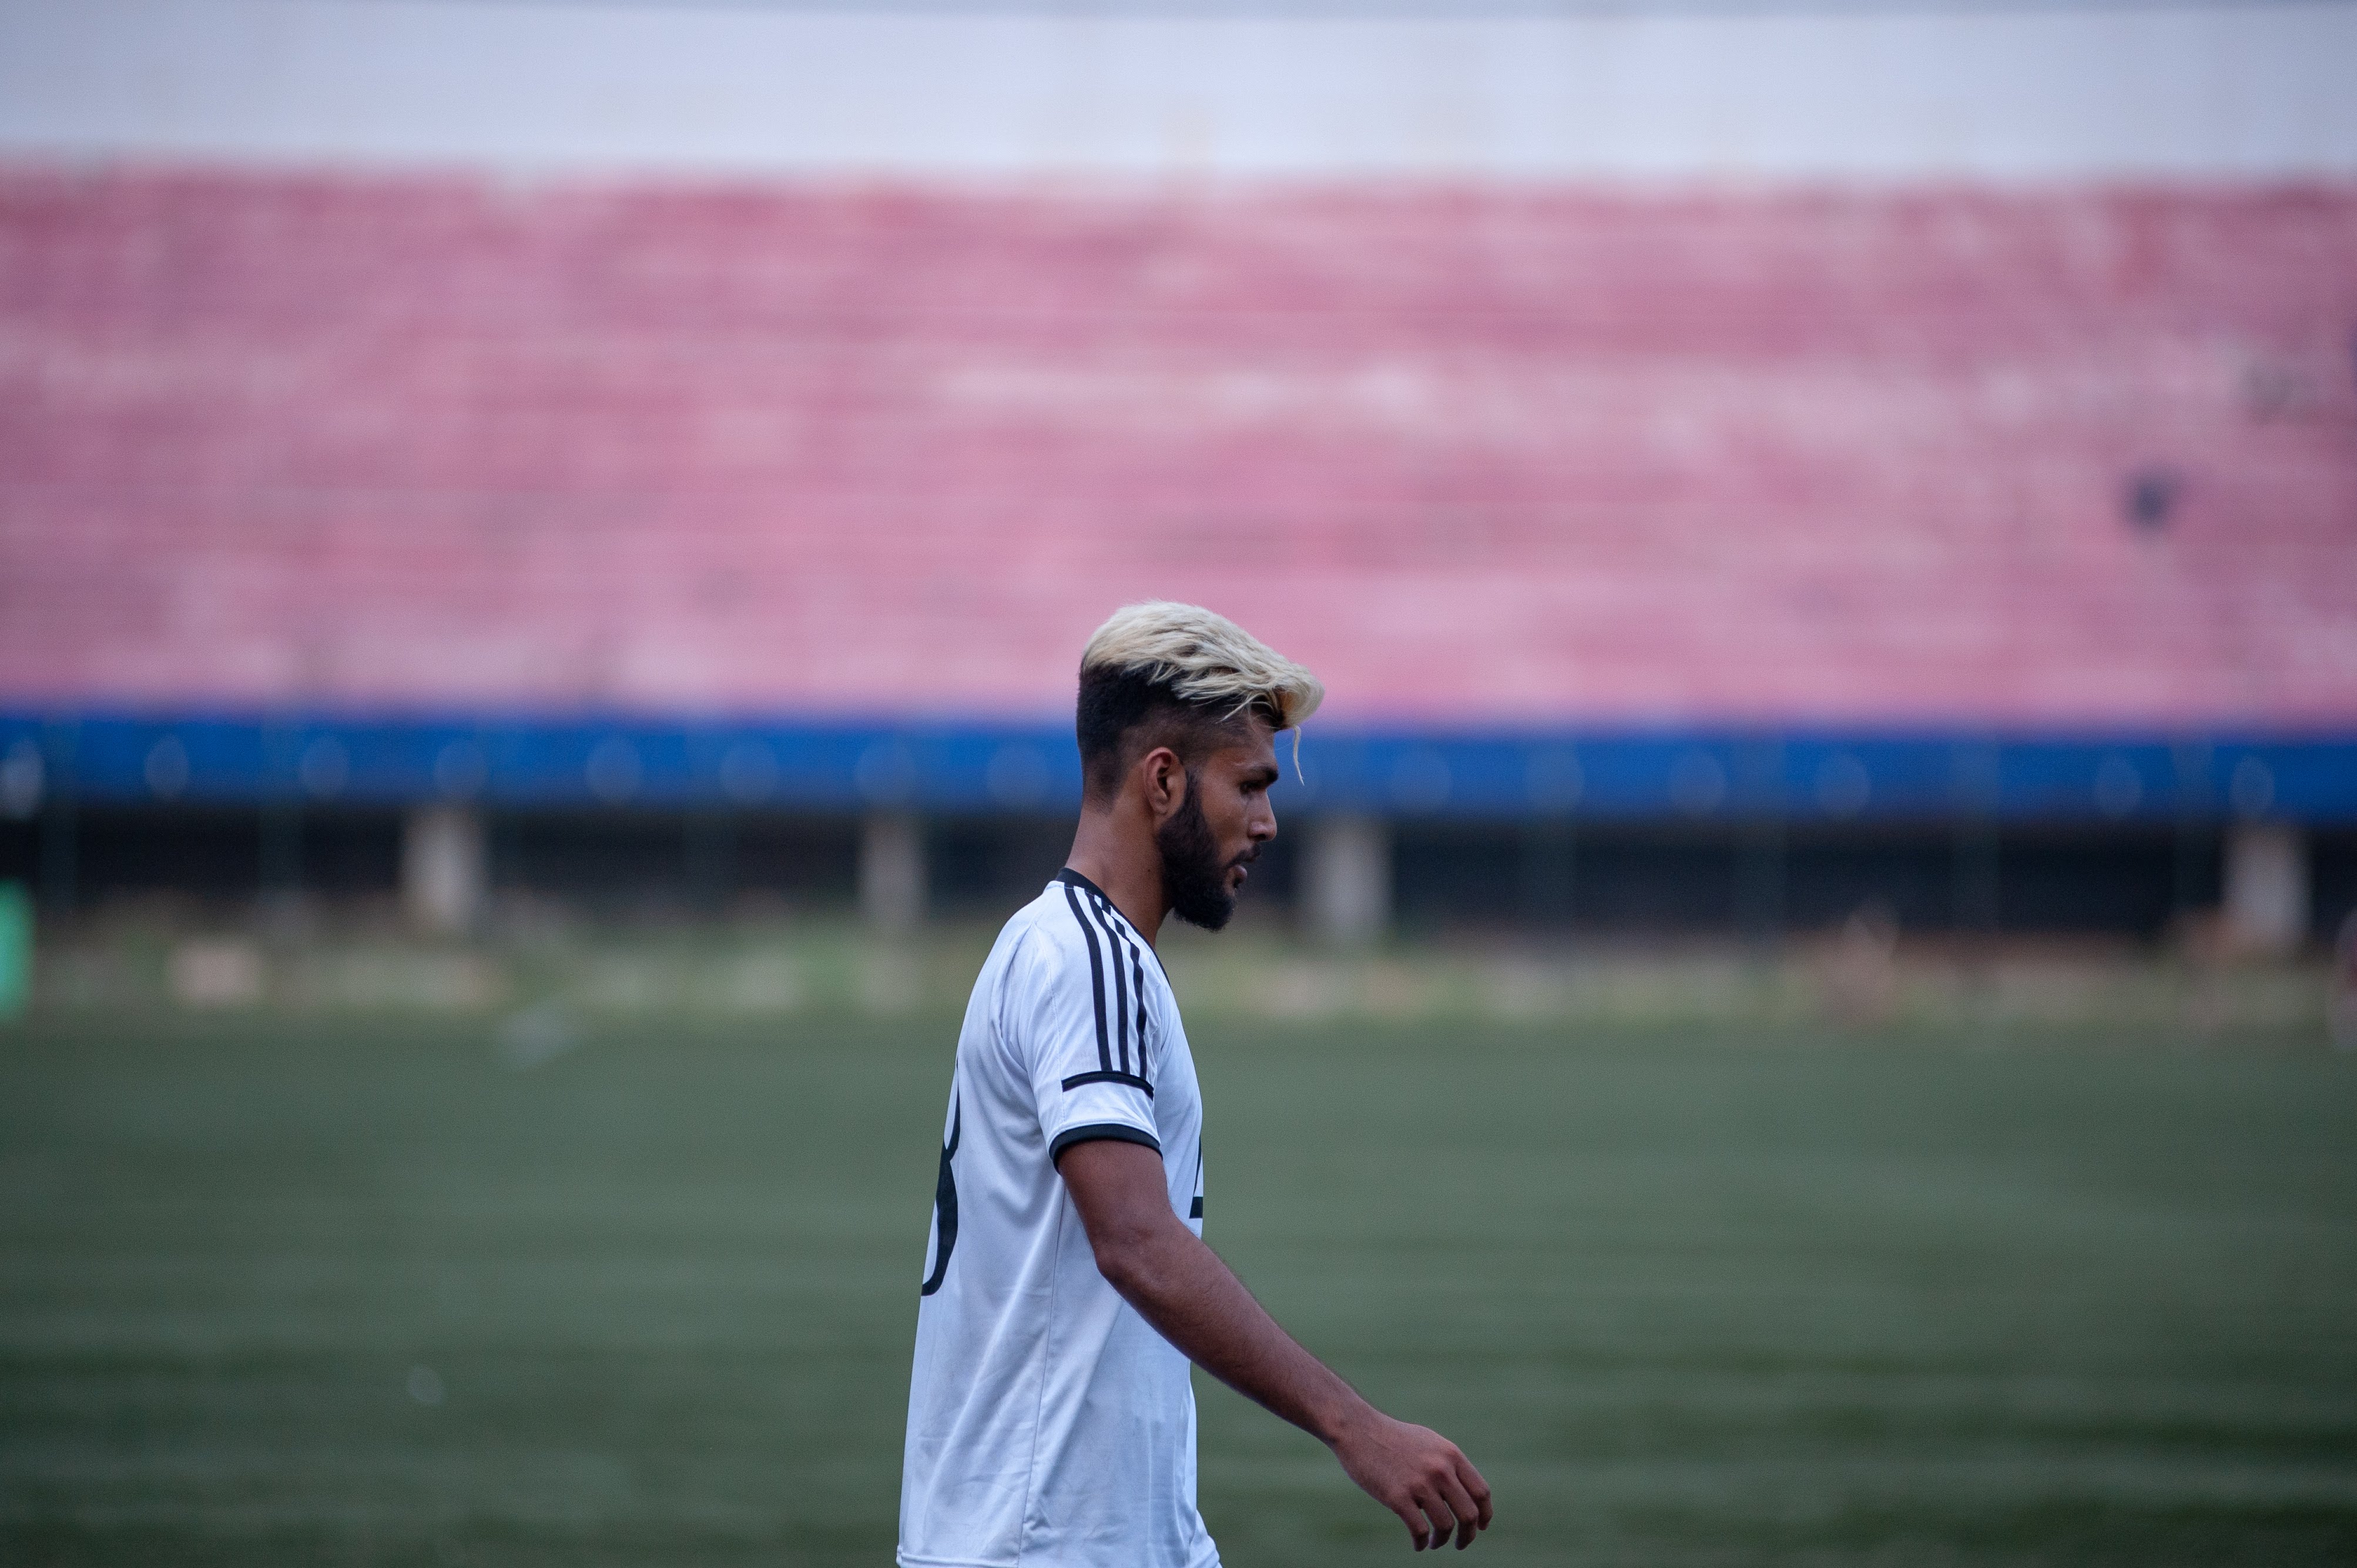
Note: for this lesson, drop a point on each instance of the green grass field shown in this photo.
(279, 1292)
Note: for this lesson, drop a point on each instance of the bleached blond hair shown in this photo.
(1205, 660)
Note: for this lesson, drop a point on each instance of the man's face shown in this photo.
(1209, 843)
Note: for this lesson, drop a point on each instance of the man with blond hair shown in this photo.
(1051, 1421)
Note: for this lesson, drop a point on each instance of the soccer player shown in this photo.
(1051, 1422)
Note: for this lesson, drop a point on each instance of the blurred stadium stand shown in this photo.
(1678, 559)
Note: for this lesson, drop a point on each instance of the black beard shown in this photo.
(1194, 878)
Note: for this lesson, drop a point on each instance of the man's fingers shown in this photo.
(1475, 1487)
(1452, 1492)
(1413, 1520)
(1444, 1518)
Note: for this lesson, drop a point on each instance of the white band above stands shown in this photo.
(1306, 90)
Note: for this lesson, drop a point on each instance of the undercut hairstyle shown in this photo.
(1169, 674)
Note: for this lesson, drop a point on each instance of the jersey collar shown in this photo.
(1072, 879)
(1075, 879)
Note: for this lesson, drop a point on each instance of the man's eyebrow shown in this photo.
(1267, 773)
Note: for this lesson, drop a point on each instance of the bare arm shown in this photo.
(1180, 1286)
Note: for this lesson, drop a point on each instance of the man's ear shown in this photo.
(1163, 779)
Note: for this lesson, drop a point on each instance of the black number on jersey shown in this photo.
(945, 1203)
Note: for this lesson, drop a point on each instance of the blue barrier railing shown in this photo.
(1697, 773)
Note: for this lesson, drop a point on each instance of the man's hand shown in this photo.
(1418, 1474)
(1181, 1287)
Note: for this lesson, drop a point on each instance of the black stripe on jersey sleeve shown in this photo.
(1115, 950)
(1096, 976)
(1195, 1209)
(1137, 984)
(1136, 980)
(1121, 984)
(1108, 1076)
(1121, 941)
(1100, 1132)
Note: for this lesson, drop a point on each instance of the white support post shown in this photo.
(2266, 888)
(892, 872)
(445, 871)
(1349, 879)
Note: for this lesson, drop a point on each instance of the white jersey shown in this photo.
(1048, 1423)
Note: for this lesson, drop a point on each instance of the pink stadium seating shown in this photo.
(374, 440)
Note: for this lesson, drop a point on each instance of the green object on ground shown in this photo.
(16, 949)
(275, 1293)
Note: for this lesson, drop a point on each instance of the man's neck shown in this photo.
(1122, 860)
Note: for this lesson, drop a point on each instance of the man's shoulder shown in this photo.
(1045, 935)
(1038, 968)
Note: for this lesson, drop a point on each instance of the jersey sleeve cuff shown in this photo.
(1114, 1132)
